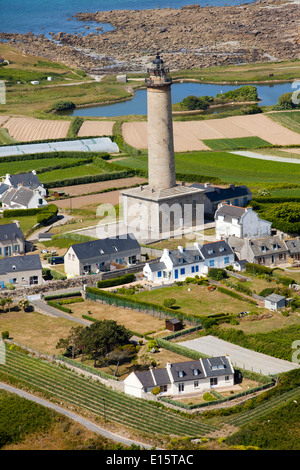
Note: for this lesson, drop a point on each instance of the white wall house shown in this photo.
(27, 180)
(22, 198)
(240, 222)
(176, 265)
(107, 254)
(182, 377)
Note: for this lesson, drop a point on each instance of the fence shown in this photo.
(154, 310)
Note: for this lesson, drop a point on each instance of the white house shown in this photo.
(240, 222)
(176, 265)
(22, 198)
(27, 180)
(22, 271)
(106, 254)
(182, 378)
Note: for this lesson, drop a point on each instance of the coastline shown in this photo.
(189, 37)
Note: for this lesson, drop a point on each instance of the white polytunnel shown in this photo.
(100, 144)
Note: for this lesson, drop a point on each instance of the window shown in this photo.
(196, 371)
(212, 263)
(16, 248)
(226, 378)
(197, 269)
(181, 387)
(193, 269)
(33, 280)
(226, 260)
(182, 271)
(158, 273)
(87, 268)
(196, 384)
(180, 373)
(213, 381)
(115, 248)
(69, 255)
(164, 388)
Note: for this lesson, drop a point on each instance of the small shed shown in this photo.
(173, 324)
(275, 302)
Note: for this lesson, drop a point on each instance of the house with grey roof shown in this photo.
(182, 378)
(241, 222)
(275, 302)
(215, 195)
(176, 265)
(27, 180)
(268, 251)
(22, 198)
(21, 271)
(107, 254)
(293, 246)
(12, 240)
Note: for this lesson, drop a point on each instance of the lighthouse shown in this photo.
(161, 161)
(163, 207)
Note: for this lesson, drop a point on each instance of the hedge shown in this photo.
(89, 179)
(58, 306)
(258, 268)
(116, 281)
(235, 295)
(62, 296)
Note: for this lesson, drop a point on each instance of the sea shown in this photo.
(53, 16)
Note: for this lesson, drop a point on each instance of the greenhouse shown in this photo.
(101, 144)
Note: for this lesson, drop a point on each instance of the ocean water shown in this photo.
(43, 17)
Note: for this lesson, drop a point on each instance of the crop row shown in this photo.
(264, 408)
(81, 392)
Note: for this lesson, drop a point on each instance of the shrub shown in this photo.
(156, 390)
(169, 303)
(116, 281)
(217, 274)
(63, 105)
(5, 334)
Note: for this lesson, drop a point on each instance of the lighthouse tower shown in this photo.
(163, 207)
(161, 161)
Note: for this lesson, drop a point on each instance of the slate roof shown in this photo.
(267, 245)
(10, 231)
(28, 180)
(13, 264)
(21, 196)
(293, 245)
(223, 194)
(105, 247)
(187, 256)
(216, 366)
(187, 371)
(229, 212)
(146, 378)
(157, 266)
(215, 249)
(274, 298)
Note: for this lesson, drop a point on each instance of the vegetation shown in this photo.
(117, 281)
(236, 144)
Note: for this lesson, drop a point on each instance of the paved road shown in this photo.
(43, 306)
(84, 422)
(240, 357)
(260, 156)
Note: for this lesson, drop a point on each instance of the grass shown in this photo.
(238, 143)
(26, 223)
(289, 119)
(23, 166)
(196, 301)
(73, 172)
(226, 166)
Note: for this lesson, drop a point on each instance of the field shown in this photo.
(231, 169)
(96, 128)
(233, 144)
(28, 129)
(190, 135)
(289, 119)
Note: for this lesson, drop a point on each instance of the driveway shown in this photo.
(240, 357)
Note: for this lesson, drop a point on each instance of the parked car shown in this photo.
(57, 260)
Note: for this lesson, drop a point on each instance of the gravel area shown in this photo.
(240, 357)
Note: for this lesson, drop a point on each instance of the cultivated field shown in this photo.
(96, 128)
(111, 197)
(83, 189)
(24, 129)
(188, 136)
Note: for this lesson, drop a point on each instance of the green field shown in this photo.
(73, 172)
(234, 169)
(23, 166)
(238, 143)
(289, 119)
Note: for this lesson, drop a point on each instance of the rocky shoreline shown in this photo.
(190, 37)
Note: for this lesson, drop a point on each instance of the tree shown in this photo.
(169, 303)
(73, 342)
(9, 301)
(102, 337)
(24, 304)
(3, 303)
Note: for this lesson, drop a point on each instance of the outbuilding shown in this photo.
(275, 302)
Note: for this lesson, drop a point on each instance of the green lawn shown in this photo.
(73, 172)
(21, 166)
(226, 166)
(238, 143)
(196, 301)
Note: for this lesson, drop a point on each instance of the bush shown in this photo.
(5, 334)
(169, 303)
(217, 274)
(116, 281)
(63, 105)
